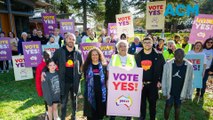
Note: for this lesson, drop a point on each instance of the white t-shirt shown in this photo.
(209, 57)
(202, 53)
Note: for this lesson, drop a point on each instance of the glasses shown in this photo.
(147, 43)
(210, 42)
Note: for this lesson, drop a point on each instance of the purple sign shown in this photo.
(67, 25)
(108, 50)
(202, 28)
(112, 28)
(49, 22)
(86, 47)
(5, 49)
(32, 53)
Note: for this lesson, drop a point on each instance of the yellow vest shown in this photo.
(88, 40)
(130, 62)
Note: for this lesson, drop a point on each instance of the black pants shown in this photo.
(2, 65)
(68, 90)
(203, 90)
(150, 93)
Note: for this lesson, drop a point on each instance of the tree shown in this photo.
(112, 7)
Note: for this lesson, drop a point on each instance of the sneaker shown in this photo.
(7, 71)
(2, 71)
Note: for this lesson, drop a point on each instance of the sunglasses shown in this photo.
(210, 42)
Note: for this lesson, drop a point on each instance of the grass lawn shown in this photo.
(19, 101)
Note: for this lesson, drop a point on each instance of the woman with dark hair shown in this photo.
(123, 37)
(208, 50)
(95, 86)
(14, 43)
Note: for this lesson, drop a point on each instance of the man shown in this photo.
(186, 46)
(69, 62)
(40, 38)
(34, 34)
(78, 38)
(177, 82)
(91, 38)
(88, 33)
(58, 38)
(152, 63)
(102, 37)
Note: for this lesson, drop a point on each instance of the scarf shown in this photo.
(90, 85)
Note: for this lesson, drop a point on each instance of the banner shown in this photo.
(86, 47)
(32, 53)
(67, 25)
(20, 71)
(202, 28)
(155, 18)
(5, 49)
(50, 48)
(112, 28)
(108, 50)
(198, 61)
(49, 23)
(124, 91)
(124, 24)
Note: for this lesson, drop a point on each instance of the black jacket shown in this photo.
(158, 66)
(60, 59)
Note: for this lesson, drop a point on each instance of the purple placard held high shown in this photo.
(49, 22)
(32, 53)
(112, 28)
(108, 50)
(67, 25)
(202, 28)
(5, 49)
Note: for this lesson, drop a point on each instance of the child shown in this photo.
(51, 90)
(41, 66)
(52, 41)
(176, 82)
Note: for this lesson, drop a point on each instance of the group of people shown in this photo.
(58, 76)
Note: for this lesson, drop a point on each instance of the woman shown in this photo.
(122, 59)
(14, 43)
(95, 85)
(160, 46)
(208, 50)
(52, 41)
(198, 49)
(23, 39)
(169, 53)
(5, 62)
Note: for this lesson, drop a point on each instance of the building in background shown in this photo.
(14, 14)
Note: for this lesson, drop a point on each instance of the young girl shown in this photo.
(51, 90)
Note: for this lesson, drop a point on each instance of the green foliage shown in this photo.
(112, 7)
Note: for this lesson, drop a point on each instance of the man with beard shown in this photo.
(152, 63)
(69, 62)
